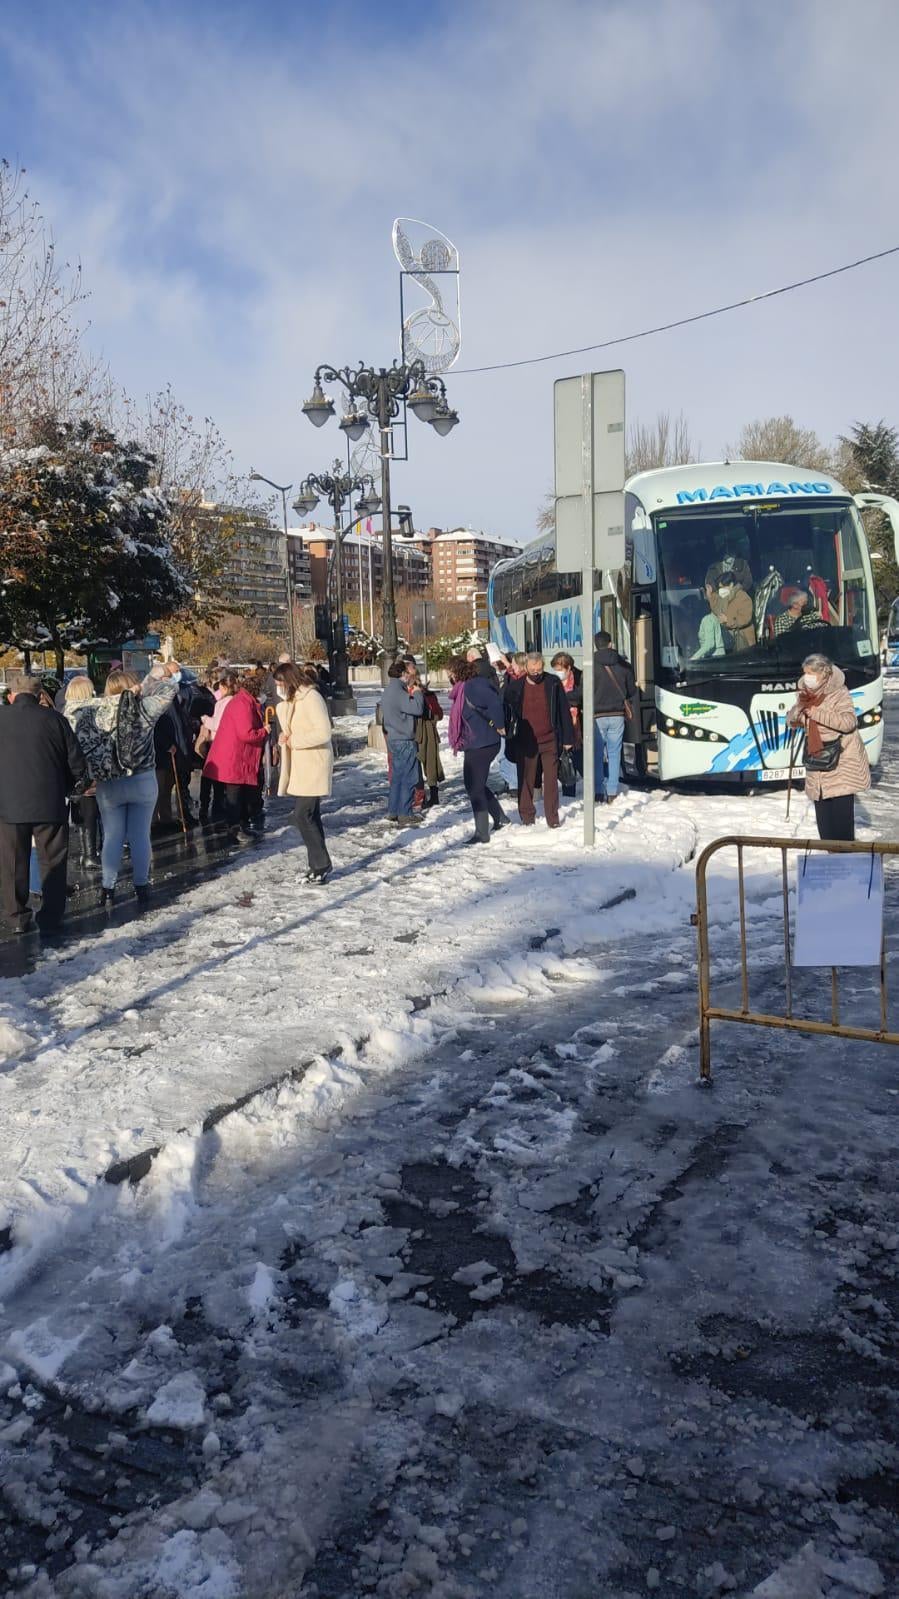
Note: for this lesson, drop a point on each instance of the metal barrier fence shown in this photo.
(798, 1024)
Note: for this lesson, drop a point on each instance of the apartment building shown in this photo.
(461, 561)
(362, 564)
(254, 576)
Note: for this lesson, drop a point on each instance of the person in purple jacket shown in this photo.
(477, 723)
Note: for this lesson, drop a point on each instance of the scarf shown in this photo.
(456, 719)
(808, 703)
(568, 683)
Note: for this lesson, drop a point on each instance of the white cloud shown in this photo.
(600, 166)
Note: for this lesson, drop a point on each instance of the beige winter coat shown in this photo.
(835, 717)
(307, 759)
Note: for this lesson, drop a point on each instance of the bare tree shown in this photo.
(779, 438)
(39, 338)
(664, 442)
(209, 502)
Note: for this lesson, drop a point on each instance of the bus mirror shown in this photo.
(890, 509)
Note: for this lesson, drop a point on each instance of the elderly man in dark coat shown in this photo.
(41, 764)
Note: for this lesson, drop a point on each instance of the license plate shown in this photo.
(780, 774)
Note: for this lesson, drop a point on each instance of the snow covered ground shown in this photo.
(481, 1295)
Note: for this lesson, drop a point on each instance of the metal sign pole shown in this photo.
(588, 722)
(589, 516)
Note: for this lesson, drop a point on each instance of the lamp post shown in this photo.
(337, 486)
(379, 393)
(283, 490)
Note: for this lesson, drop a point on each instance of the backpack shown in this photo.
(98, 747)
(130, 733)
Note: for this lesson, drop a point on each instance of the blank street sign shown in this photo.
(589, 460)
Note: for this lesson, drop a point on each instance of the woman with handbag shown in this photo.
(476, 725)
(836, 761)
(571, 765)
(307, 759)
(428, 740)
(116, 735)
(235, 754)
(222, 685)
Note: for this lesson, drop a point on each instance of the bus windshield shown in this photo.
(757, 588)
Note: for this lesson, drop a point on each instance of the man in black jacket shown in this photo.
(539, 714)
(40, 765)
(615, 698)
(483, 665)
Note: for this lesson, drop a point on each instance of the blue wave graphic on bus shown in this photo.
(741, 754)
(737, 756)
(499, 629)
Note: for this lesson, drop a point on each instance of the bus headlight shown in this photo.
(677, 729)
(870, 717)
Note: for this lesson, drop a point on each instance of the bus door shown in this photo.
(644, 671)
(608, 618)
(533, 634)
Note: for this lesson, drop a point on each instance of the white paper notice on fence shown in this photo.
(839, 910)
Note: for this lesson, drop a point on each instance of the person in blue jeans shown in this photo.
(116, 735)
(401, 704)
(126, 806)
(615, 691)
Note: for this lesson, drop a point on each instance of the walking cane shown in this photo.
(178, 792)
(793, 744)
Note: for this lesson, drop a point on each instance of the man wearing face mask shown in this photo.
(538, 710)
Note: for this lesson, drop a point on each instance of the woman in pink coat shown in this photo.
(235, 758)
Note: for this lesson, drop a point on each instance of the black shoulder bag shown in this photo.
(499, 731)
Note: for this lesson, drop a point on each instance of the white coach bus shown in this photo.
(733, 574)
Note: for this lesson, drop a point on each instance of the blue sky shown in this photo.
(229, 173)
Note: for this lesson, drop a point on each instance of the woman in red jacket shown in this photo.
(236, 754)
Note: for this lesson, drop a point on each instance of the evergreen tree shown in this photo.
(874, 452)
(85, 542)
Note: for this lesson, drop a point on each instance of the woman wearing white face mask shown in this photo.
(836, 762)
(571, 678)
(307, 759)
(733, 607)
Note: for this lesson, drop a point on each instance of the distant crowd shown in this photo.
(109, 767)
(511, 699)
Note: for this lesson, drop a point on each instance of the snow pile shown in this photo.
(180, 1402)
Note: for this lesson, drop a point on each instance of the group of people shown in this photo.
(100, 761)
(742, 612)
(539, 715)
(108, 763)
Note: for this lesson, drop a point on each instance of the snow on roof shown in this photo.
(325, 535)
(468, 535)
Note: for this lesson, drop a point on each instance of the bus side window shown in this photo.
(608, 612)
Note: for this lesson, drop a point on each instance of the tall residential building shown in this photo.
(362, 563)
(254, 578)
(461, 561)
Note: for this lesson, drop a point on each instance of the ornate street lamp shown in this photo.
(354, 423)
(337, 486)
(320, 407)
(381, 392)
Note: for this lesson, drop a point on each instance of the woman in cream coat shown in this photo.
(307, 759)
